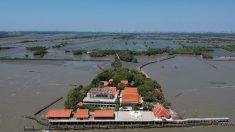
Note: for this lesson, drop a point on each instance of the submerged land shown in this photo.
(63, 52)
(70, 45)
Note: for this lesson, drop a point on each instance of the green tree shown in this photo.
(116, 64)
(147, 106)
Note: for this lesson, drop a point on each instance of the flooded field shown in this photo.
(78, 41)
(197, 88)
(117, 41)
(194, 88)
(28, 86)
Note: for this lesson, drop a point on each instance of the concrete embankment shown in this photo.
(47, 106)
(113, 124)
(140, 68)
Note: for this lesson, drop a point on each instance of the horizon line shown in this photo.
(118, 31)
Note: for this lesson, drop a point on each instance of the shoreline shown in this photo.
(114, 124)
(72, 124)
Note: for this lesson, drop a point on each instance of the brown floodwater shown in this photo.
(27, 86)
(195, 89)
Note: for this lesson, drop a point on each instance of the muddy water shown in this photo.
(26, 87)
(197, 88)
(194, 88)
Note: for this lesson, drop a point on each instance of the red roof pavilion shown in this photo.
(130, 90)
(104, 114)
(130, 96)
(160, 112)
(59, 113)
(82, 113)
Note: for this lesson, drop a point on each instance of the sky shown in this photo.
(118, 15)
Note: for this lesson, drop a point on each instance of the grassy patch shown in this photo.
(193, 50)
(3, 48)
(38, 50)
(228, 47)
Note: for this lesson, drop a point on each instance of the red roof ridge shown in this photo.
(59, 113)
(160, 111)
(82, 113)
(103, 113)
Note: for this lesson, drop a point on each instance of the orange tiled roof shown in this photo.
(160, 111)
(106, 83)
(82, 113)
(131, 98)
(104, 113)
(130, 90)
(124, 82)
(60, 113)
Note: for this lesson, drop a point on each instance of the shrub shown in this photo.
(77, 52)
(207, 56)
(38, 50)
(126, 56)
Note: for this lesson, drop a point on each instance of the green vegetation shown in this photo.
(193, 50)
(154, 51)
(78, 52)
(2, 48)
(147, 106)
(75, 96)
(207, 56)
(146, 86)
(125, 55)
(102, 53)
(116, 64)
(90, 108)
(38, 50)
(129, 56)
(60, 45)
(228, 47)
(125, 37)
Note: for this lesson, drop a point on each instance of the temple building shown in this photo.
(59, 114)
(82, 114)
(104, 114)
(130, 96)
(102, 97)
(160, 111)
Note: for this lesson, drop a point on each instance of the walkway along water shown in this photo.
(72, 124)
(114, 124)
(52, 103)
(140, 68)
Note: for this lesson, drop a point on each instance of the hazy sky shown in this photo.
(118, 15)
